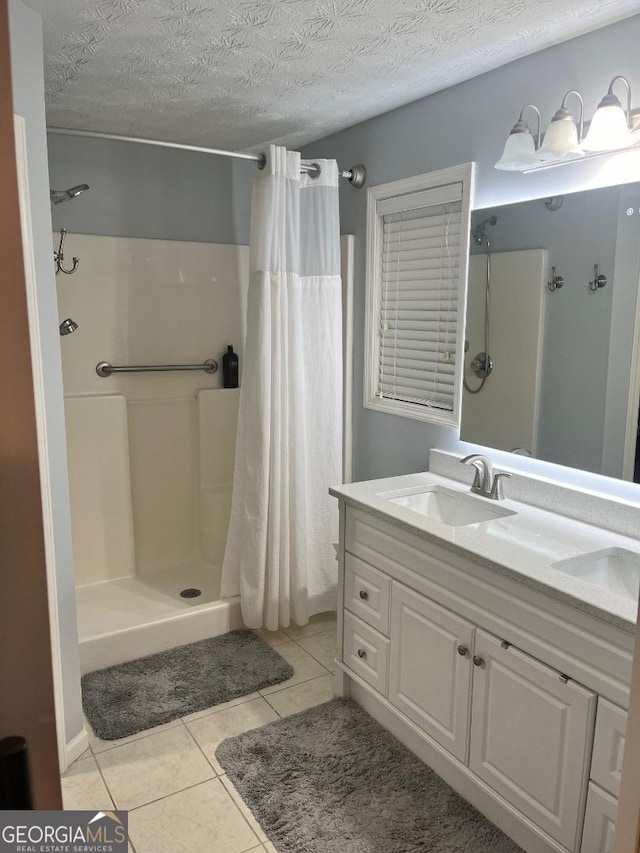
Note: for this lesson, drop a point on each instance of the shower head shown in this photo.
(58, 196)
(478, 231)
(68, 326)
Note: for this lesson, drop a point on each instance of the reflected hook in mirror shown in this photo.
(599, 280)
(557, 281)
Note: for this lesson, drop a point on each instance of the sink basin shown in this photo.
(614, 569)
(451, 508)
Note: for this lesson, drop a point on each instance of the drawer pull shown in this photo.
(364, 595)
(463, 650)
(362, 654)
(478, 661)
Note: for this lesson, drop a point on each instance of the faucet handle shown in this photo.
(496, 489)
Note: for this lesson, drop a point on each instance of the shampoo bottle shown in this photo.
(230, 368)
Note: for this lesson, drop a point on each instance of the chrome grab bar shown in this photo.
(105, 369)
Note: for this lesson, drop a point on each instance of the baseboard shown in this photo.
(75, 747)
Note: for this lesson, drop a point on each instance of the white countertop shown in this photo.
(521, 546)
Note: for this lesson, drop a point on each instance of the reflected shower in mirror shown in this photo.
(549, 338)
(481, 365)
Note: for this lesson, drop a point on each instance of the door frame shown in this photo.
(65, 755)
(26, 670)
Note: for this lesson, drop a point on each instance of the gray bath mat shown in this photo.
(140, 694)
(331, 780)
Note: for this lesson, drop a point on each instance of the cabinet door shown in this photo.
(599, 822)
(430, 667)
(531, 735)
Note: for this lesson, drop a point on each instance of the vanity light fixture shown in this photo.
(520, 148)
(613, 129)
(562, 139)
(609, 129)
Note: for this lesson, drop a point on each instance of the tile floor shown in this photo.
(177, 794)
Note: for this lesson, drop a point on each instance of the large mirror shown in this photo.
(562, 379)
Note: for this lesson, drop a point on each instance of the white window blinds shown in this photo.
(419, 284)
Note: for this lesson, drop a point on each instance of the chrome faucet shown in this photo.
(484, 473)
(484, 481)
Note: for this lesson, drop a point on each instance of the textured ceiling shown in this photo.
(238, 73)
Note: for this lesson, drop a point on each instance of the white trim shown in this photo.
(75, 747)
(43, 448)
(633, 400)
(463, 174)
(347, 245)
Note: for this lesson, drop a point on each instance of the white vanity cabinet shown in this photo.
(496, 686)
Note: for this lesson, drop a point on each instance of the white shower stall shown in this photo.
(150, 454)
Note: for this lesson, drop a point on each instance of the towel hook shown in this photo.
(58, 257)
(599, 280)
(557, 281)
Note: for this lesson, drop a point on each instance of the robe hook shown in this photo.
(58, 257)
(599, 280)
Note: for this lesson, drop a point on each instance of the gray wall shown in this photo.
(143, 191)
(577, 322)
(470, 122)
(28, 101)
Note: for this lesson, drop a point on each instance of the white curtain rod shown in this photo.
(356, 175)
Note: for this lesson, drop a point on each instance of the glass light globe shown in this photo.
(519, 153)
(608, 131)
(560, 142)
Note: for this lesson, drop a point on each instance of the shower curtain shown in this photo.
(279, 555)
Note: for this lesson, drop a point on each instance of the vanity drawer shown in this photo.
(367, 592)
(599, 821)
(366, 652)
(608, 746)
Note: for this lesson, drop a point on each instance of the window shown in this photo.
(417, 257)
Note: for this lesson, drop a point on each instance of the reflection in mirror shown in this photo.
(549, 339)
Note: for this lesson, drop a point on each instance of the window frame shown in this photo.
(463, 174)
